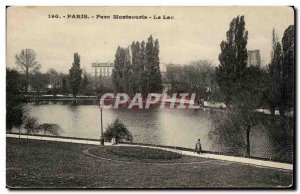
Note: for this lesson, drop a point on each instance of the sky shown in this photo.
(195, 33)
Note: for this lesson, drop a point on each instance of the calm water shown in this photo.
(171, 127)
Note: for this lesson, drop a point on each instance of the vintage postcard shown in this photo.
(150, 97)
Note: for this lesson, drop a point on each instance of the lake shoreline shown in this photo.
(145, 144)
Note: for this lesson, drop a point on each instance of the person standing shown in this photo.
(198, 147)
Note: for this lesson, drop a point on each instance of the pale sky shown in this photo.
(195, 33)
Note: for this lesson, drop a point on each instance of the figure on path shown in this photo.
(198, 147)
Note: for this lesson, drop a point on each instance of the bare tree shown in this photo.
(26, 60)
(50, 128)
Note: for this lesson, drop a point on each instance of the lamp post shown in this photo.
(101, 135)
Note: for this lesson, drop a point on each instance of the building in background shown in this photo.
(101, 75)
(102, 69)
(253, 58)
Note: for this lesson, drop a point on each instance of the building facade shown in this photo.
(253, 58)
(102, 69)
(101, 75)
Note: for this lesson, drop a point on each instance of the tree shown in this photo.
(280, 89)
(232, 128)
(273, 92)
(288, 70)
(117, 73)
(122, 73)
(228, 137)
(39, 82)
(54, 80)
(156, 78)
(50, 128)
(26, 60)
(154, 83)
(198, 74)
(30, 125)
(136, 66)
(127, 69)
(86, 85)
(247, 101)
(174, 75)
(233, 59)
(138, 72)
(240, 85)
(196, 77)
(117, 130)
(75, 75)
(64, 86)
(15, 109)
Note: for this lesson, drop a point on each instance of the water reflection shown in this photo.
(172, 127)
(156, 126)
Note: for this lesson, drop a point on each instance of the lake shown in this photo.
(171, 127)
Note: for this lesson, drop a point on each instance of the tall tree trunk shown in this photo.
(26, 81)
(248, 141)
(26, 86)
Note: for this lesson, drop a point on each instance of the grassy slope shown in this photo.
(33, 163)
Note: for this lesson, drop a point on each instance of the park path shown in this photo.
(249, 161)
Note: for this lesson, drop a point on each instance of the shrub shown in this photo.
(226, 133)
(30, 125)
(50, 128)
(118, 130)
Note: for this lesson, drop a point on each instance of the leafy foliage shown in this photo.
(121, 76)
(15, 109)
(84, 85)
(138, 72)
(280, 86)
(118, 130)
(227, 133)
(26, 60)
(153, 75)
(64, 85)
(197, 77)
(233, 59)
(75, 75)
(288, 63)
(31, 125)
(39, 81)
(50, 128)
(241, 85)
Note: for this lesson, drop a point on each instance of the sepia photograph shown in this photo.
(150, 97)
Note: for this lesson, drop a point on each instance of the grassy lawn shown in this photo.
(139, 154)
(40, 164)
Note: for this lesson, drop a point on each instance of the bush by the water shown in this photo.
(119, 131)
(32, 126)
(143, 153)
